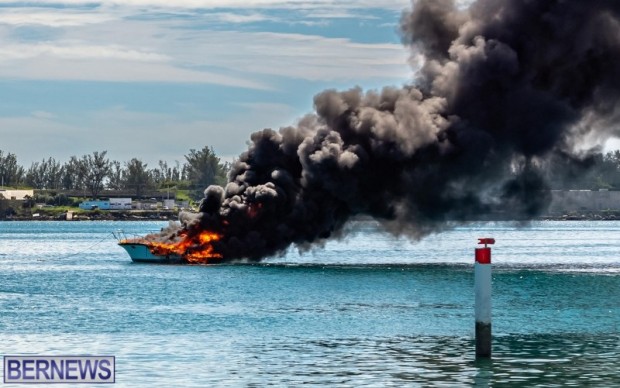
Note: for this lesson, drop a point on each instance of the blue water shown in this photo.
(369, 310)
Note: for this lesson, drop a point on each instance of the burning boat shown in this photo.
(187, 250)
(141, 252)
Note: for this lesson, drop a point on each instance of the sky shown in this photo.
(152, 79)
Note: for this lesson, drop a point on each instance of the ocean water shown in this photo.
(368, 310)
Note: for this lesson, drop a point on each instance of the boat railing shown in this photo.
(122, 236)
(119, 235)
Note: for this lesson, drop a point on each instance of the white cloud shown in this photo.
(308, 57)
(228, 17)
(181, 41)
(337, 14)
(52, 18)
(177, 41)
(120, 48)
(244, 4)
(118, 71)
(77, 51)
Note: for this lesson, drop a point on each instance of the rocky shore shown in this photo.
(584, 216)
(166, 215)
(133, 215)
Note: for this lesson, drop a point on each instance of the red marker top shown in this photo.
(486, 241)
(483, 255)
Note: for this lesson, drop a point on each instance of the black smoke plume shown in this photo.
(503, 85)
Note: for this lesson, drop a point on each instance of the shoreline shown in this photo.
(142, 215)
(170, 215)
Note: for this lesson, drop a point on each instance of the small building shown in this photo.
(120, 204)
(17, 195)
(94, 205)
(147, 205)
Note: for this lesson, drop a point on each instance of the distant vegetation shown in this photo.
(92, 173)
(57, 183)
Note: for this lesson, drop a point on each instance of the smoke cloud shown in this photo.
(504, 85)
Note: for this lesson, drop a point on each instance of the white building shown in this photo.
(120, 204)
(17, 195)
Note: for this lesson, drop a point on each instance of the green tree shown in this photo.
(11, 174)
(166, 177)
(116, 177)
(97, 169)
(137, 177)
(35, 176)
(611, 169)
(46, 174)
(204, 168)
(53, 176)
(176, 172)
(74, 174)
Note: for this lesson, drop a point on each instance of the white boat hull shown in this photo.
(140, 253)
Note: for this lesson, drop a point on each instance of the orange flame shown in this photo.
(195, 249)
